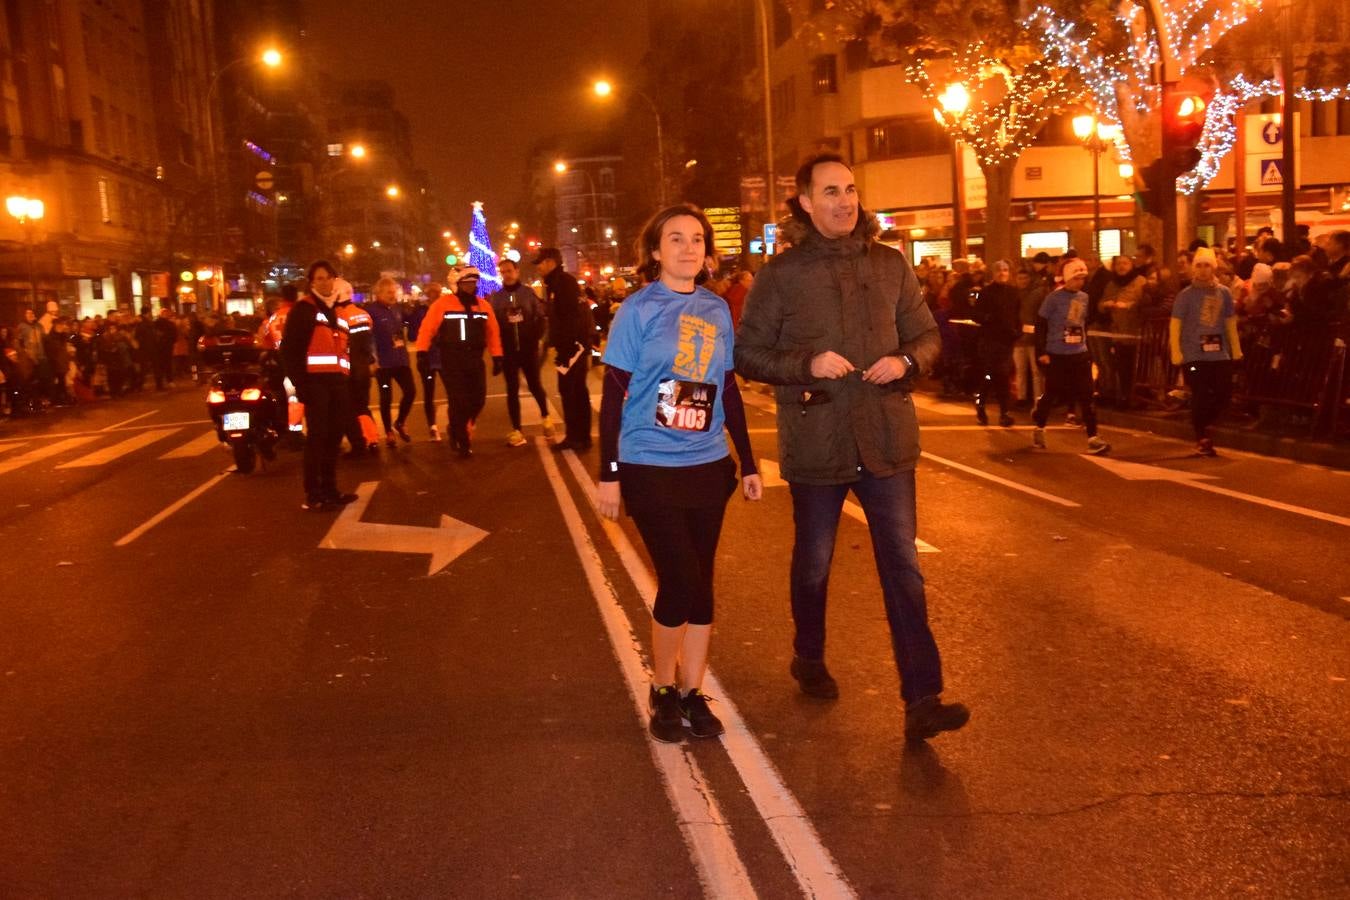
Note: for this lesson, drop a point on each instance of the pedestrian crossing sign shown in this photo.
(1271, 173)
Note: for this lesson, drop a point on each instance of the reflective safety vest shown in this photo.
(273, 329)
(328, 344)
(361, 338)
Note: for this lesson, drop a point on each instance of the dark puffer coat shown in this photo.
(862, 300)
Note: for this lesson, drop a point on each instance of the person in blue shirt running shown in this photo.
(669, 391)
(1204, 342)
(1061, 347)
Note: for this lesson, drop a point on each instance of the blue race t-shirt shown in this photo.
(1065, 314)
(1204, 311)
(678, 349)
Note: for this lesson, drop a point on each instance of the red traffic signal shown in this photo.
(1184, 119)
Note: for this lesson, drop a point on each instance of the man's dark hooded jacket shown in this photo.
(861, 299)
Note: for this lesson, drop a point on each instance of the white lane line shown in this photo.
(121, 448)
(1003, 481)
(70, 434)
(816, 872)
(170, 510)
(4, 448)
(706, 831)
(129, 421)
(195, 447)
(40, 453)
(855, 511)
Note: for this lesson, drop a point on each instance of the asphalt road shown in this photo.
(242, 699)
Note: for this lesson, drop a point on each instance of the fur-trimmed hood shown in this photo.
(798, 227)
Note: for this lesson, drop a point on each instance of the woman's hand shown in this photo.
(607, 499)
(753, 487)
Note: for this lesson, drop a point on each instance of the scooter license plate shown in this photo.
(235, 421)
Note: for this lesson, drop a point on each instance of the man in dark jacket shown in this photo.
(521, 322)
(571, 342)
(839, 325)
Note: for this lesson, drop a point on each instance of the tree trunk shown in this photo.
(998, 226)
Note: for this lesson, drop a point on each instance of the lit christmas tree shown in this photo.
(481, 254)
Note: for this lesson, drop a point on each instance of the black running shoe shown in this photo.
(815, 680)
(314, 504)
(666, 724)
(342, 499)
(697, 717)
(930, 717)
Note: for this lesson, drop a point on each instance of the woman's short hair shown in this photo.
(649, 239)
(322, 264)
(384, 280)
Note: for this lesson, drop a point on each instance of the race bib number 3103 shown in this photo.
(685, 405)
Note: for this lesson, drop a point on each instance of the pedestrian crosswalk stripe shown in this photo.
(32, 456)
(5, 448)
(121, 448)
(196, 447)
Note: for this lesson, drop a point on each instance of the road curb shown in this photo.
(1177, 425)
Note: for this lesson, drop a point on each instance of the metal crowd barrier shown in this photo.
(1300, 369)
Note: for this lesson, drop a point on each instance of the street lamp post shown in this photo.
(562, 168)
(271, 58)
(1096, 136)
(604, 89)
(768, 108)
(28, 210)
(954, 101)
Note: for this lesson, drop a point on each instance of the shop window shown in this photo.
(1053, 242)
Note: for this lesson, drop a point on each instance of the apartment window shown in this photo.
(857, 56)
(335, 149)
(824, 75)
(906, 137)
(100, 125)
(104, 202)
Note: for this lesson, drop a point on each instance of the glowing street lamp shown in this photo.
(604, 89)
(271, 57)
(560, 167)
(1096, 137)
(348, 249)
(392, 191)
(357, 151)
(27, 210)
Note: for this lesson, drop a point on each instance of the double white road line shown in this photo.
(706, 831)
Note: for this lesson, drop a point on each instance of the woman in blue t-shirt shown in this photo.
(669, 390)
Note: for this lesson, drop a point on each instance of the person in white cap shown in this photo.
(1204, 339)
(1061, 346)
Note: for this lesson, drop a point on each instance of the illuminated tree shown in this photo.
(481, 255)
(987, 84)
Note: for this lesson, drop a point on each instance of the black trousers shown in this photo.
(407, 393)
(524, 362)
(428, 376)
(327, 403)
(466, 389)
(1211, 384)
(996, 364)
(576, 401)
(1068, 379)
(358, 405)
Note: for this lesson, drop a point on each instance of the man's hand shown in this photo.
(753, 487)
(885, 370)
(830, 365)
(1043, 359)
(607, 499)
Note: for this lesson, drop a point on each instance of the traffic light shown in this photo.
(1183, 121)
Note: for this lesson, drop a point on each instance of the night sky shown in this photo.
(481, 81)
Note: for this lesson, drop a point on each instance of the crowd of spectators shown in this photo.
(1304, 287)
(48, 359)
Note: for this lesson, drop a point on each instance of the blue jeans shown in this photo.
(889, 504)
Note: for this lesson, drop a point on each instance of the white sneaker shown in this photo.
(547, 426)
(435, 433)
(515, 439)
(1097, 446)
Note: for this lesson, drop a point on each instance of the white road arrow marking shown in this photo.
(445, 544)
(773, 477)
(1132, 471)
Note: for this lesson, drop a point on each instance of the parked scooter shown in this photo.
(239, 400)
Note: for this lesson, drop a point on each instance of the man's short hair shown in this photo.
(808, 168)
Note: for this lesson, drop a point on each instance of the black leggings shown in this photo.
(407, 390)
(1211, 384)
(513, 366)
(682, 544)
(1068, 379)
(428, 376)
